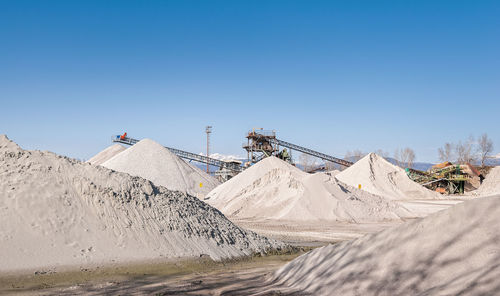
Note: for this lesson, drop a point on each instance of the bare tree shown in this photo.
(410, 157)
(357, 155)
(465, 151)
(397, 157)
(485, 147)
(446, 152)
(382, 153)
(307, 161)
(404, 157)
(461, 151)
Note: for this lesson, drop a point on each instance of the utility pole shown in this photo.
(208, 130)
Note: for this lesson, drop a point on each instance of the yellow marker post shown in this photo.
(359, 186)
(201, 185)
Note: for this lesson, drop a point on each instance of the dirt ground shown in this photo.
(202, 276)
(314, 233)
(188, 277)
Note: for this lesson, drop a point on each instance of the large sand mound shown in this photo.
(56, 211)
(453, 252)
(274, 190)
(380, 177)
(106, 154)
(152, 161)
(491, 185)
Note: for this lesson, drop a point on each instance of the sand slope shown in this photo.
(491, 184)
(380, 177)
(274, 190)
(150, 160)
(452, 252)
(106, 154)
(56, 211)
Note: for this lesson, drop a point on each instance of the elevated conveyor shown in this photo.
(311, 152)
(232, 166)
(263, 143)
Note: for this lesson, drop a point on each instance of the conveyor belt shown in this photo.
(312, 152)
(187, 155)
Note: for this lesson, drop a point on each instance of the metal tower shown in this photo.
(208, 130)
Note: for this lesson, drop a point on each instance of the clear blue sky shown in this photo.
(330, 75)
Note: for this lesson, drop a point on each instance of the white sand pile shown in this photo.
(491, 184)
(274, 190)
(106, 154)
(380, 177)
(453, 252)
(152, 161)
(55, 211)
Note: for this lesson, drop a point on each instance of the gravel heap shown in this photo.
(275, 190)
(452, 252)
(150, 160)
(56, 211)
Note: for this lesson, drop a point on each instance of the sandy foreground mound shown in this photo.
(380, 177)
(491, 185)
(275, 190)
(106, 154)
(150, 160)
(453, 252)
(56, 211)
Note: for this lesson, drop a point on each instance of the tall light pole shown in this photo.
(208, 130)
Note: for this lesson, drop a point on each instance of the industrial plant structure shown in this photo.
(263, 143)
(444, 177)
(447, 177)
(260, 144)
